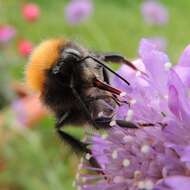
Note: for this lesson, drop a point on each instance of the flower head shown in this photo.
(78, 11)
(6, 33)
(155, 156)
(154, 13)
(28, 110)
(25, 48)
(31, 12)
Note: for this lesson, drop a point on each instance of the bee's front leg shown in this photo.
(108, 122)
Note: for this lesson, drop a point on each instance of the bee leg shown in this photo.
(81, 103)
(78, 146)
(116, 58)
(107, 122)
(126, 124)
(84, 107)
(106, 76)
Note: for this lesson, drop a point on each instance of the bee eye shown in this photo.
(72, 52)
(70, 55)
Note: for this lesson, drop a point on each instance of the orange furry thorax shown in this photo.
(42, 59)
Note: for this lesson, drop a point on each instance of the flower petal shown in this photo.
(176, 183)
(185, 57)
(173, 101)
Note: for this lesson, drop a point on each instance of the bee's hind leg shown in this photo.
(78, 146)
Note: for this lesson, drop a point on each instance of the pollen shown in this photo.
(114, 154)
(42, 59)
(88, 156)
(122, 94)
(126, 162)
(129, 116)
(145, 149)
(113, 123)
(147, 184)
(104, 136)
(168, 66)
(133, 101)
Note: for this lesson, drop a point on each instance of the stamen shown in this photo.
(114, 154)
(145, 149)
(104, 136)
(100, 114)
(122, 94)
(88, 156)
(133, 101)
(126, 162)
(129, 115)
(147, 184)
(141, 185)
(167, 66)
(137, 174)
(113, 123)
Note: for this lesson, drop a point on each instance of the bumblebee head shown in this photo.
(44, 57)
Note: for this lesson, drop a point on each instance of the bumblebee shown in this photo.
(74, 84)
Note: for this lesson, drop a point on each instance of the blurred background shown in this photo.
(31, 155)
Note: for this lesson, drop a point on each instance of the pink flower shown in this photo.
(25, 48)
(6, 33)
(28, 110)
(31, 12)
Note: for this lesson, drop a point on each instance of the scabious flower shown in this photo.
(154, 13)
(156, 155)
(31, 12)
(159, 42)
(78, 11)
(6, 33)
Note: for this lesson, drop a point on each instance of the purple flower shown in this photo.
(20, 112)
(6, 33)
(154, 13)
(78, 11)
(157, 155)
(160, 43)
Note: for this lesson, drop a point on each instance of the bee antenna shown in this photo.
(101, 63)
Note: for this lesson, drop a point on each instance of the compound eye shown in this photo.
(73, 52)
(70, 55)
